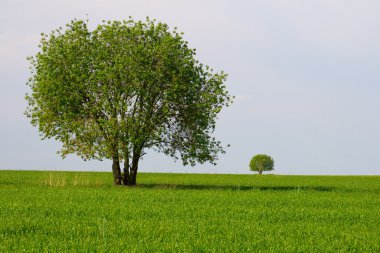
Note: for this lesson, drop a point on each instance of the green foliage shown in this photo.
(125, 87)
(261, 163)
(83, 212)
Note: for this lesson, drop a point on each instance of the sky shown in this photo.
(305, 74)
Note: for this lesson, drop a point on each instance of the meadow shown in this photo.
(43, 211)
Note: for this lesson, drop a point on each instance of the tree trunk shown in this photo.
(260, 172)
(134, 168)
(127, 175)
(116, 171)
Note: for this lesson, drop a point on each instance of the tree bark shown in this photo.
(260, 172)
(127, 175)
(116, 171)
(134, 168)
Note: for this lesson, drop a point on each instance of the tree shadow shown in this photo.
(234, 187)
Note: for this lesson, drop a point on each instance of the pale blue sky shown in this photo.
(306, 76)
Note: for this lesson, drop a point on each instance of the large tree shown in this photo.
(123, 88)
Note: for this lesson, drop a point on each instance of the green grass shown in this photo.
(78, 211)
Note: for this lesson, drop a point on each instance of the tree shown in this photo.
(261, 163)
(123, 88)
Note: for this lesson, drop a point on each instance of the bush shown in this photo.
(261, 163)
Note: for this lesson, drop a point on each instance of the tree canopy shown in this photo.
(122, 88)
(261, 162)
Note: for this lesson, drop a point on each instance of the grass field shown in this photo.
(81, 211)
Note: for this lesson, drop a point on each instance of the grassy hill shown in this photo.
(83, 211)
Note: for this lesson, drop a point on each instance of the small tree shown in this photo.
(261, 163)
